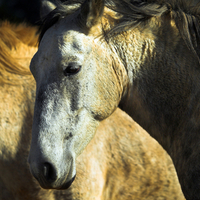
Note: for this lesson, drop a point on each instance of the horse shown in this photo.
(18, 43)
(110, 167)
(96, 55)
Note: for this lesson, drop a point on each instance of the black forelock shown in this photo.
(62, 10)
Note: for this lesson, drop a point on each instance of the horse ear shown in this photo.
(91, 12)
(46, 8)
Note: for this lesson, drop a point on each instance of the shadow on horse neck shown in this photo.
(142, 56)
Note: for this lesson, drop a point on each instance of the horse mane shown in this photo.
(186, 15)
(11, 38)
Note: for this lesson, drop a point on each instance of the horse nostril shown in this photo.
(49, 172)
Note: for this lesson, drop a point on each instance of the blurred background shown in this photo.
(20, 10)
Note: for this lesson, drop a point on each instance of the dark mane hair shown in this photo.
(185, 13)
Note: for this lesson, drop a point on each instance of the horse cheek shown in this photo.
(104, 102)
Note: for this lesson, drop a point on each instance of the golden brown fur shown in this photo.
(134, 168)
(121, 162)
(17, 45)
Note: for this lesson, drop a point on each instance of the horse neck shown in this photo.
(161, 72)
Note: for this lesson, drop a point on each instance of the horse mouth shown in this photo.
(53, 185)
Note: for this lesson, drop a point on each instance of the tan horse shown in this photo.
(17, 44)
(95, 56)
(121, 162)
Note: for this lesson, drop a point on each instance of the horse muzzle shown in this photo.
(49, 176)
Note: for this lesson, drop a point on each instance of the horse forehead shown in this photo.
(61, 46)
(73, 41)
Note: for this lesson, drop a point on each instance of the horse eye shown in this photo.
(71, 69)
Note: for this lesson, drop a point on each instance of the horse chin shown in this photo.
(64, 186)
(67, 184)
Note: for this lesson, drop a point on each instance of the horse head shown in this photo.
(77, 87)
